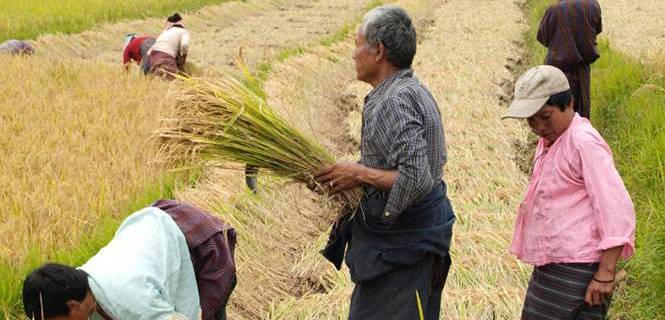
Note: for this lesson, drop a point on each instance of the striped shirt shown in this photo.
(402, 130)
(569, 29)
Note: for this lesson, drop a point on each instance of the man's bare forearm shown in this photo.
(378, 178)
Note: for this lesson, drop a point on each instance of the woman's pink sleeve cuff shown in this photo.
(611, 242)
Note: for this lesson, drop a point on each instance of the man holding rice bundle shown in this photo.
(169, 261)
(399, 238)
(577, 219)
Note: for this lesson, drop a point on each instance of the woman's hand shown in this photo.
(600, 288)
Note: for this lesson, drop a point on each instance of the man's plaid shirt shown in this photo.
(402, 130)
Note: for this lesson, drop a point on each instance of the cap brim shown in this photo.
(521, 109)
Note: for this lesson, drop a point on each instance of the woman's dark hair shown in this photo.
(174, 18)
(561, 100)
(49, 287)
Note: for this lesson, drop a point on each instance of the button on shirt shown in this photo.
(576, 205)
(402, 130)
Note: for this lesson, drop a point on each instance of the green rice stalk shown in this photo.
(420, 306)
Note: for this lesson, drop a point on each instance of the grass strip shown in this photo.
(28, 19)
(628, 108)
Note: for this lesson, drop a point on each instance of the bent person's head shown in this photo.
(543, 97)
(174, 18)
(56, 291)
(128, 38)
(386, 37)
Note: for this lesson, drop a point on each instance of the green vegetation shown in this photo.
(27, 19)
(628, 108)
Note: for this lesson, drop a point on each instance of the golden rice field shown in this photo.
(75, 136)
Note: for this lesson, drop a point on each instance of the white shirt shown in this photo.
(146, 271)
(172, 41)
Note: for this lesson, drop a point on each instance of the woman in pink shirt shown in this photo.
(577, 219)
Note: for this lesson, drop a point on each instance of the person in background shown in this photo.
(577, 219)
(168, 54)
(251, 175)
(167, 261)
(569, 30)
(16, 47)
(136, 49)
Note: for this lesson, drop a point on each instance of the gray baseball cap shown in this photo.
(533, 89)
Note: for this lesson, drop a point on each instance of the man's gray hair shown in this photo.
(391, 26)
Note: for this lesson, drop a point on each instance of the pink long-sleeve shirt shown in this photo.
(576, 204)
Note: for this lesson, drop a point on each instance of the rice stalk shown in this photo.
(230, 122)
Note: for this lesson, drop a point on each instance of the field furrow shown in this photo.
(465, 65)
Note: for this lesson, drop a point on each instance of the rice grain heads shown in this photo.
(229, 122)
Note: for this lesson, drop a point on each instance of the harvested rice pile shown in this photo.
(637, 28)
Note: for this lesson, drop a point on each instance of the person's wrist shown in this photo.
(360, 174)
(604, 275)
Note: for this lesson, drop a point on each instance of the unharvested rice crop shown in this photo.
(74, 141)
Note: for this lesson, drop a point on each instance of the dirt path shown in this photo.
(637, 28)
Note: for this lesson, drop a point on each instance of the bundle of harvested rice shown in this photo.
(231, 122)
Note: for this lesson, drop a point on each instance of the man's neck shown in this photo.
(383, 73)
